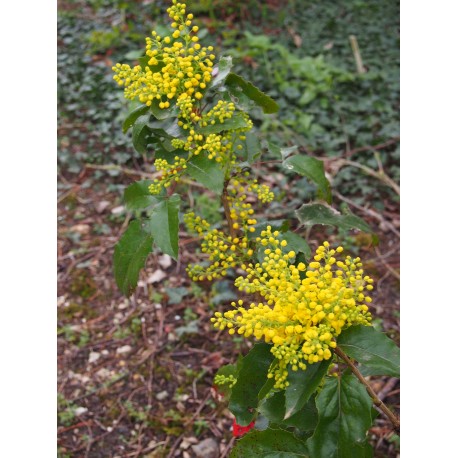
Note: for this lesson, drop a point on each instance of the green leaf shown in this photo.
(206, 172)
(272, 443)
(251, 378)
(238, 86)
(295, 243)
(311, 214)
(163, 224)
(281, 152)
(302, 384)
(228, 369)
(251, 148)
(236, 122)
(133, 116)
(313, 169)
(140, 133)
(374, 350)
(274, 409)
(163, 113)
(130, 254)
(344, 416)
(223, 68)
(138, 197)
(281, 225)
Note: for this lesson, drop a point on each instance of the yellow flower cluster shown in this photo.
(218, 146)
(224, 252)
(229, 380)
(177, 67)
(171, 172)
(241, 210)
(304, 307)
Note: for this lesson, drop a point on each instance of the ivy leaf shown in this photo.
(236, 122)
(302, 384)
(163, 224)
(344, 416)
(313, 169)
(223, 68)
(206, 172)
(239, 87)
(138, 197)
(130, 254)
(311, 214)
(271, 443)
(250, 380)
(133, 116)
(295, 243)
(374, 350)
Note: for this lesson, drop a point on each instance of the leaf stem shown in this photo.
(375, 399)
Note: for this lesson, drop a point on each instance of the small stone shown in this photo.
(165, 261)
(101, 205)
(162, 395)
(93, 357)
(124, 349)
(81, 228)
(157, 276)
(80, 411)
(103, 373)
(123, 305)
(118, 210)
(208, 448)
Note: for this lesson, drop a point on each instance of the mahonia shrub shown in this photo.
(308, 316)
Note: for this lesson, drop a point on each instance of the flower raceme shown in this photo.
(177, 67)
(304, 308)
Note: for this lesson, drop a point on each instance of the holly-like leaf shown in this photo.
(251, 148)
(274, 409)
(130, 254)
(141, 133)
(236, 122)
(281, 225)
(377, 353)
(313, 169)
(281, 152)
(222, 70)
(133, 116)
(206, 172)
(295, 243)
(271, 443)
(228, 369)
(311, 214)
(250, 380)
(344, 416)
(138, 197)
(163, 224)
(302, 384)
(163, 113)
(239, 87)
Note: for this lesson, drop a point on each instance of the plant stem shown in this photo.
(227, 210)
(375, 399)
